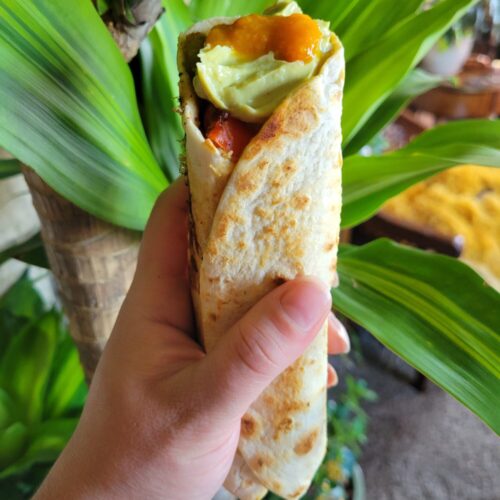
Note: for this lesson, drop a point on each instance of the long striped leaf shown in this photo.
(369, 181)
(416, 83)
(373, 74)
(338, 12)
(68, 109)
(9, 168)
(360, 24)
(159, 86)
(203, 9)
(434, 312)
(30, 251)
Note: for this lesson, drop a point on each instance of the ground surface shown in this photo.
(425, 445)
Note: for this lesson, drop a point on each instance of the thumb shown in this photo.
(269, 338)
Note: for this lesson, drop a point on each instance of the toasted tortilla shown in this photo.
(269, 218)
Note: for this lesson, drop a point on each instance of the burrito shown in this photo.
(260, 98)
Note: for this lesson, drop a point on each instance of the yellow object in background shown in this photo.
(461, 201)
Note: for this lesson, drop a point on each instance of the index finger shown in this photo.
(161, 283)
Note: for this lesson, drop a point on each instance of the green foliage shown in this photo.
(347, 420)
(369, 181)
(9, 168)
(360, 24)
(434, 312)
(203, 9)
(69, 111)
(415, 83)
(373, 74)
(30, 251)
(159, 89)
(347, 426)
(42, 389)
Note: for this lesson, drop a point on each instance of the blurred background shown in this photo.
(394, 435)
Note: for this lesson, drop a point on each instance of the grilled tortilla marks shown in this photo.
(306, 443)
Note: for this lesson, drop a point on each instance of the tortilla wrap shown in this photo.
(272, 216)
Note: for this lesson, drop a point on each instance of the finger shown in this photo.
(269, 338)
(331, 378)
(160, 290)
(338, 339)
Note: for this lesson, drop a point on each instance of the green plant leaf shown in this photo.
(369, 181)
(13, 442)
(26, 366)
(102, 6)
(338, 12)
(7, 409)
(8, 168)
(69, 111)
(66, 389)
(373, 74)
(47, 441)
(365, 22)
(22, 299)
(417, 82)
(434, 312)
(30, 251)
(159, 86)
(203, 9)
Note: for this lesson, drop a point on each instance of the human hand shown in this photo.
(162, 419)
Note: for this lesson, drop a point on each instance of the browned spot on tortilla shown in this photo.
(305, 445)
(260, 461)
(270, 129)
(298, 492)
(262, 164)
(289, 167)
(261, 212)
(283, 427)
(241, 245)
(244, 182)
(223, 226)
(225, 223)
(275, 184)
(248, 426)
(277, 487)
(300, 201)
(268, 229)
(288, 385)
(330, 246)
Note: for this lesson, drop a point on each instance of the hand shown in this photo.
(162, 419)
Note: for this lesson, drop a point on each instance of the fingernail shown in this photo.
(345, 337)
(306, 302)
(342, 333)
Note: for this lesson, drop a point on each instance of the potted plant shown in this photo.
(449, 54)
(42, 389)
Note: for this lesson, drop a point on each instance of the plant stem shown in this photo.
(129, 22)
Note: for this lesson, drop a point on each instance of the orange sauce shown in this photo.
(290, 38)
